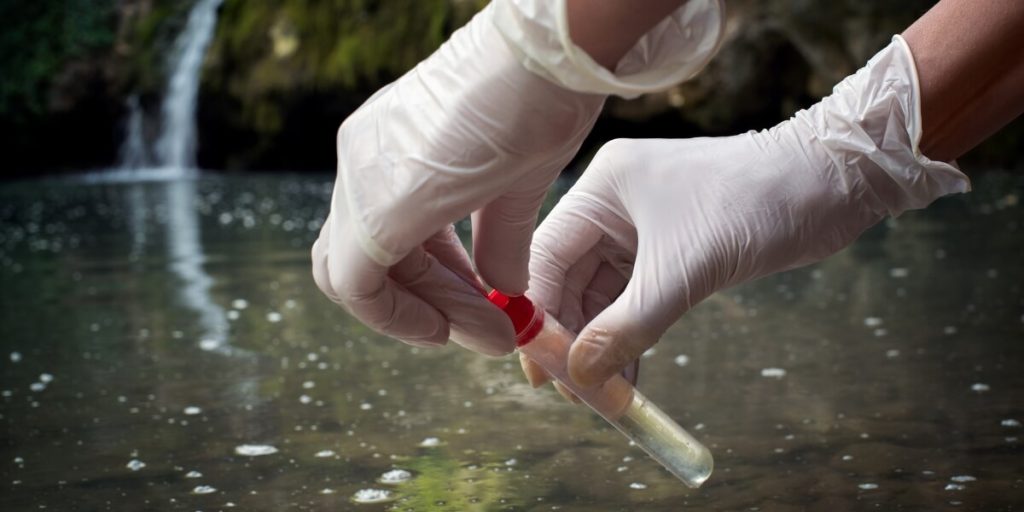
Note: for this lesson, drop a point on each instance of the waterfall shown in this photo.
(170, 164)
(176, 146)
(134, 153)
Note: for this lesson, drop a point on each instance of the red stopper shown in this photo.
(525, 318)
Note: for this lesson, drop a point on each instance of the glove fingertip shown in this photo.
(423, 343)
(535, 375)
(592, 358)
(566, 393)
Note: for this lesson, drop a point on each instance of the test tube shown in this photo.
(546, 342)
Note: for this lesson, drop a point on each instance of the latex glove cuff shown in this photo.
(674, 50)
(872, 123)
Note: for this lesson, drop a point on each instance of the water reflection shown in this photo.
(186, 261)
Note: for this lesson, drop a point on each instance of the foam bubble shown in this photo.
(209, 344)
(872, 321)
(255, 450)
(369, 496)
(395, 476)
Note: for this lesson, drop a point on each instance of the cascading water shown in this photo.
(176, 146)
(134, 153)
(174, 158)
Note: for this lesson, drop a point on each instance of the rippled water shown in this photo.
(163, 347)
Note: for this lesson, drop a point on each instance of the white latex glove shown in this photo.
(655, 226)
(483, 125)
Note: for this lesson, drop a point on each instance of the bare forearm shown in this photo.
(970, 60)
(607, 29)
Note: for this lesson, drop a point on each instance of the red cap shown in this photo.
(523, 314)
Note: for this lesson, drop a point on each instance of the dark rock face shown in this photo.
(280, 76)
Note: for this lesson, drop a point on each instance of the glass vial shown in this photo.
(546, 342)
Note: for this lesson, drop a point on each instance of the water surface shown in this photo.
(163, 347)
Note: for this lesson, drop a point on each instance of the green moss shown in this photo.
(37, 42)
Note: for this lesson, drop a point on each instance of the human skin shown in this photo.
(970, 63)
(607, 29)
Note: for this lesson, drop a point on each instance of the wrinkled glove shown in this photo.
(483, 125)
(655, 226)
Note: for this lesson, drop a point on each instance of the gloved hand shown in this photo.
(483, 125)
(655, 226)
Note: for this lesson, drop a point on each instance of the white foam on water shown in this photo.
(899, 272)
(323, 454)
(980, 387)
(209, 344)
(867, 486)
(326, 491)
(366, 406)
(15, 357)
(204, 489)
(955, 487)
(1010, 422)
(239, 304)
(638, 486)
(45, 378)
(872, 321)
(308, 384)
(255, 450)
(395, 476)
(193, 474)
(370, 496)
(774, 373)
(960, 479)
(430, 442)
(135, 464)
(37, 386)
(273, 317)
(682, 360)
(192, 410)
